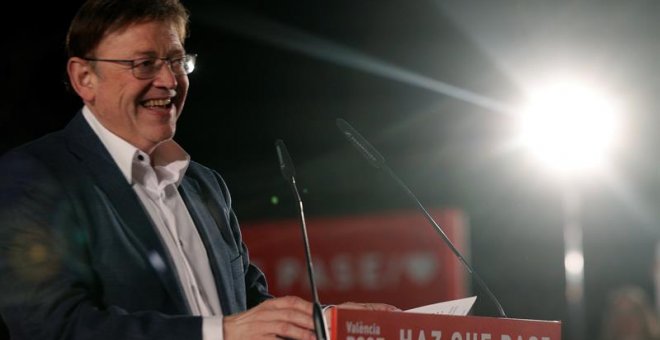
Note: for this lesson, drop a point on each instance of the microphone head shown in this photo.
(286, 164)
(361, 144)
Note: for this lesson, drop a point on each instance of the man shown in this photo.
(107, 229)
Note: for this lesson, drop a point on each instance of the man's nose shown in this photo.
(165, 76)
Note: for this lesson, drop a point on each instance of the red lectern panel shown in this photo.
(349, 324)
(367, 258)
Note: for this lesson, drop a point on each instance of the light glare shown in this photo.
(574, 263)
(569, 127)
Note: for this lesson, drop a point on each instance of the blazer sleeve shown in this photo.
(47, 288)
(256, 287)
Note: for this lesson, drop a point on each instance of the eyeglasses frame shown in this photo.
(166, 60)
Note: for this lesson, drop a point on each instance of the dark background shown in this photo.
(287, 69)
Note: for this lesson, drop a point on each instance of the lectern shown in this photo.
(348, 324)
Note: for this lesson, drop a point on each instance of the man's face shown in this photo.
(142, 112)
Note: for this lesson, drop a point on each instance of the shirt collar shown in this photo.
(169, 159)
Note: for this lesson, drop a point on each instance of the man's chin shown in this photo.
(150, 141)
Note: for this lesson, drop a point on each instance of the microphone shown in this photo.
(378, 161)
(289, 174)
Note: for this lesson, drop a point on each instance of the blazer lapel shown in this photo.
(216, 249)
(135, 222)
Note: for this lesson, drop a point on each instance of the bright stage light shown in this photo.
(574, 263)
(569, 127)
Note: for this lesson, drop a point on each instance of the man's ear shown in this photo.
(82, 78)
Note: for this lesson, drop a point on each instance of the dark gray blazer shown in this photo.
(80, 258)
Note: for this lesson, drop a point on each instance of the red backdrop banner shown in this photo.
(393, 257)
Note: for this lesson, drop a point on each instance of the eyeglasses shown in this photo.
(148, 68)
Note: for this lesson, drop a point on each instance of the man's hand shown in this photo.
(382, 307)
(288, 317)
(354, 305)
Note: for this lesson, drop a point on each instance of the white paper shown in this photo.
(453, 307)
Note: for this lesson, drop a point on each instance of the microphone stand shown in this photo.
(378, 161)
(288, 171)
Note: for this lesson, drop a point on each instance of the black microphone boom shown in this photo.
(289, 173)
(378, 161)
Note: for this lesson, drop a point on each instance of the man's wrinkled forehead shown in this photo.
(121, 27)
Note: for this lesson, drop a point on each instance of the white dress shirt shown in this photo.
(155, 179)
